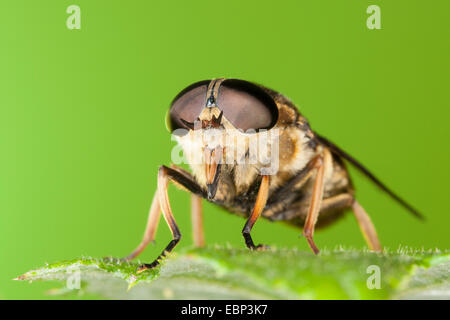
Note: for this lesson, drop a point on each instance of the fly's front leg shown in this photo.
(260, 203)
(198, 234)
(197, 221)
(185, 180)
(164, 175)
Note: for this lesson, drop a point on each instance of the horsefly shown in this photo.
(253, 153)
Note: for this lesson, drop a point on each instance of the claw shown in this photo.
(260, 247)
(144, 267)
(311, 243)
(141, 268)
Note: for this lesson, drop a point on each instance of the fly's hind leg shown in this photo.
(366, 226)
(321, 163)
(346, 200)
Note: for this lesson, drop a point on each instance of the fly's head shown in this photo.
(227, 129)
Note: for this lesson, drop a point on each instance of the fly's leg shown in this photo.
(346, 200)
(260, 203)
(319, 163)
(163, 181)
(340, 201)
(197, 221)
(366, 226)
(154, 218)
(150, 230)
(161, 203)
(198, 234)
(186, 181)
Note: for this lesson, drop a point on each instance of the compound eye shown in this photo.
(246, 105)
(187, 106)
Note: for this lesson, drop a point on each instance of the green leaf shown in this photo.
(217, 272)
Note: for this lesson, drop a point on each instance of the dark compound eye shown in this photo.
(187, 105)
(246, 105)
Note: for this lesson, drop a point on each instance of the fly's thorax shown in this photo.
(296, 150)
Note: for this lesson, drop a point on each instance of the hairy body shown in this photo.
(301, 179)
(289, 189)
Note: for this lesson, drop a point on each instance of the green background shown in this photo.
(82, 128)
